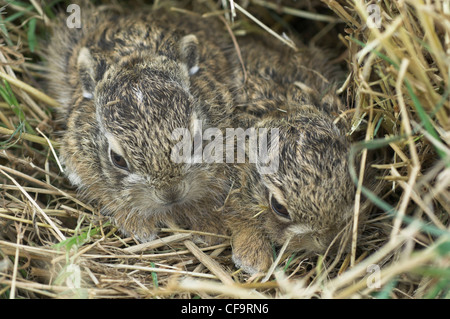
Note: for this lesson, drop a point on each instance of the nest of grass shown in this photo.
(396, 57)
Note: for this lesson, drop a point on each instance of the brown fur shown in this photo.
(312, 181)
(124, 83)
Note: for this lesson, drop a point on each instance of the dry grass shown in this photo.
(53, 245)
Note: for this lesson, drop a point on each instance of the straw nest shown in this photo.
(396, 55)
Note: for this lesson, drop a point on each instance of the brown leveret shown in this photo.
(127, 81)
(308, 200)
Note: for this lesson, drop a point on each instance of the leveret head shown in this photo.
(310, 196)
(139, 102)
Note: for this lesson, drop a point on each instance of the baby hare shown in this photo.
(126, 82)
(308, 200)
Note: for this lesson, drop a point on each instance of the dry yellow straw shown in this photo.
(29, 89)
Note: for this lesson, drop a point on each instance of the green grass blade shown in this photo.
(32, 41)
(154, 276)
(440, 290)
(387, 289)
(5, 31)
(18, 14)
(9, 97)
(17, 131)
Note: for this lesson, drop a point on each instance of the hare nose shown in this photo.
(171, 194)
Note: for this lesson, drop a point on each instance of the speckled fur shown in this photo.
(312, 180)
(141, 91)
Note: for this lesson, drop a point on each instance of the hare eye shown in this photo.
(279, 209)
(118, 160)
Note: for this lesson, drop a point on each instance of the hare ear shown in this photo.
(86, 71)
(189, 52)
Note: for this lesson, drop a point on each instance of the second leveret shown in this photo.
(309, 199)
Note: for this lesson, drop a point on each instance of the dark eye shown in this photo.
(118, 160)
(279, 209)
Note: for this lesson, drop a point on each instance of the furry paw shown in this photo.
(252, 255)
